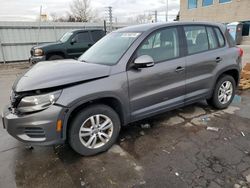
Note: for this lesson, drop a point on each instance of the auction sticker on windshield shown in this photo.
(133, 35)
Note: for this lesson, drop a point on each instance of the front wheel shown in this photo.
(223, 93)
(94, 129)
(55, 57)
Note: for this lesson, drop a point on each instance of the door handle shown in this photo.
(179, 69)
(218, 59)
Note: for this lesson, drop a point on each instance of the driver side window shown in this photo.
(82, 37)
(161, 45)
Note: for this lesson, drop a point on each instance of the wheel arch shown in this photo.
(112, 102)
(232, 72)
(49, 54)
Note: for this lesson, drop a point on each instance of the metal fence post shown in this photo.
(1, 46)
(55, 32)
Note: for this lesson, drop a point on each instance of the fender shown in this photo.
(219, 73)
(65, 114)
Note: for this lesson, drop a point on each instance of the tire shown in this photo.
(55, 57)
(221, 103)
(83, 121)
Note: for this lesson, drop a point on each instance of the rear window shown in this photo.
(220, 37)
(230, 39)
(83, 37)
(97, 35)
(197, 40)
(212, 38)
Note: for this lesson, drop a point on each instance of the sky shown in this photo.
(28, 10)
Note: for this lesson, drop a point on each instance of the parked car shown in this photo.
(71, 45)
(130, 74)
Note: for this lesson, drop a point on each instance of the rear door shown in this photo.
(83, 42)
(204, 53)
(162, 86)
(97, 35)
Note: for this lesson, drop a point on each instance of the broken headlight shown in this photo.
(37, 102)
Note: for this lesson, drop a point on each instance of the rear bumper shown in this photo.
(36, 59)
(37, 128)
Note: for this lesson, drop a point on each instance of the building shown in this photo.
(224, 11)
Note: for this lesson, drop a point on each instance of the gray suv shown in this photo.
(132, 73)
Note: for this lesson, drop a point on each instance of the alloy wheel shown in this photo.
(225, 92)
(96, 131)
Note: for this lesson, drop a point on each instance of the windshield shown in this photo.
(109, 49)
(65, 37)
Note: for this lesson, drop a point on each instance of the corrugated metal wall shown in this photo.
(17, 38)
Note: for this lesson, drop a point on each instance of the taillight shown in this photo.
(240, 52)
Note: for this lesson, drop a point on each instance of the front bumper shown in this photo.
(37, 128)
(36, 59)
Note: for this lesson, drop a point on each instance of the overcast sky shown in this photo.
(28, 10)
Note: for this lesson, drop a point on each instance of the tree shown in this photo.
(81, 10)
(62, 18)
(142, 18)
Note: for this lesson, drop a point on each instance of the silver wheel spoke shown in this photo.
(106, 125)
(101, 138)
(91, 139)
(94, 142)
(97, 117)
(225, 99)
(92, 120)
(105, 135)
(228, 84)
(220, 98)
(85, 134)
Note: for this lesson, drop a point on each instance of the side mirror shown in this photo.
(144, 61)
(73, 41)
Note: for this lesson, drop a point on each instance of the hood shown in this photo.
(47, 44)
(49, 74)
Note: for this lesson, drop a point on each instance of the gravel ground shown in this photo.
(195, 146)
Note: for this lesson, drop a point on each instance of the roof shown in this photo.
(146, 27)
(87, 29)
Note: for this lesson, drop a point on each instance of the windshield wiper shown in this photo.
(82, 60)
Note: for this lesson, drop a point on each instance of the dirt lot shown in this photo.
(176, 149)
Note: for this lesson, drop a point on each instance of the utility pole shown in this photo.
(166, 10)
(39, 27)
(110, 14)
(155, 15)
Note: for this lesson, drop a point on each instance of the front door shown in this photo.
(80, 43)
(161, 87)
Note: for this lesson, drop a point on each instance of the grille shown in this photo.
(34, 132)
(14, 99)
(32, 52)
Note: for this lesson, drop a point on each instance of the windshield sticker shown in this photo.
(131, 35)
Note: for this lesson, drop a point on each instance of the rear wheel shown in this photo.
(223, 93)
(55, 57)
(94, 130)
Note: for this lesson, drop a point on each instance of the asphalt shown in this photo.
(195, 146)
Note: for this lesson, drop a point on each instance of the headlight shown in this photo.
(37, 102)
(38, 52)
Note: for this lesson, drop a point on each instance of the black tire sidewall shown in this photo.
(74, 139)
(215, 99)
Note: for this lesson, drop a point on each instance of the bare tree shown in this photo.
(81, 10)
(142, 18)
